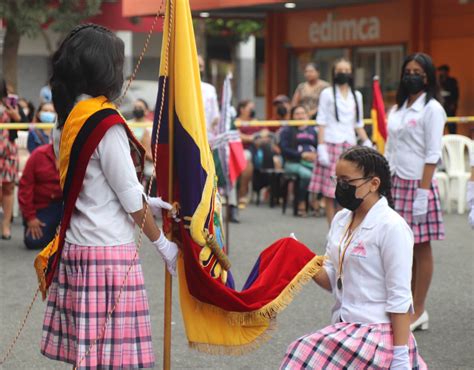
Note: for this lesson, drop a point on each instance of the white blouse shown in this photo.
(110, 192)
(376, 274)
(337, 132)
(414, 137)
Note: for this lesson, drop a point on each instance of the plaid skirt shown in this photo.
(9, 161)
(82, 294)
(321, 177)
(347, 346)
(403, 193)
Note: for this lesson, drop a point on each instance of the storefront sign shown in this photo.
(339, 30)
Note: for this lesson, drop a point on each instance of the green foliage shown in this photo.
(235, 29)
(28, 16)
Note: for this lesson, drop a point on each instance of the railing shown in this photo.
(255, 123)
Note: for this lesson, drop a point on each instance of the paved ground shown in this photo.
(447, 345)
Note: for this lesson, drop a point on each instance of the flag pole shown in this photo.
(168, 278)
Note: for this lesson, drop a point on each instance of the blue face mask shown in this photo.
(47, 117)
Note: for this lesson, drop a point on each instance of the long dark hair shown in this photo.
(372, 163)
(3, 88)
(351, 84)
(431, 88)
(89, 61)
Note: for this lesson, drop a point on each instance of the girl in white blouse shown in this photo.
(368, 270)
(415, 129)
(340, 116)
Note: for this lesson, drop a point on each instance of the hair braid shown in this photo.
(373, 164)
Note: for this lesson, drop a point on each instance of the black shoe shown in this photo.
(234, 215)
(6, 237)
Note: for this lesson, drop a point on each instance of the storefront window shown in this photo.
(383, 61)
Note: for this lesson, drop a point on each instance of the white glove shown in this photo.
(168, 251)
(293, 235)
(401, 358)
(156, 204)
(420, 205)
(470, 193)
(471, 217)
(368, 143)
(323, 155)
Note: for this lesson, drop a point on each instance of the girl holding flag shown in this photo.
(368, 270)
(95, 260)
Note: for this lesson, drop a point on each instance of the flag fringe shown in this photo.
(270, 310)
(236, 350)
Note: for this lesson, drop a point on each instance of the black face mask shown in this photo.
(138, 113)
(282, 111)
(342, 78)
(413, 83)
(345, 196)
(252, 113)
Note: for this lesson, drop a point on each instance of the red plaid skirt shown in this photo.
(83, 292)
(8, 159)
(347, 345)
(403, 193)
(321, 177)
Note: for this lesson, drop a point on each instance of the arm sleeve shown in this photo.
(397, 258)
(215, 105)
(324, 108)
(433, 125)
(360, 121)
(118, 168)
(26, 189)
(285, 145)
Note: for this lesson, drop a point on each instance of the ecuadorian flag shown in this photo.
(217, 317)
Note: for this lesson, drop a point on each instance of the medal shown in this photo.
(339, 283)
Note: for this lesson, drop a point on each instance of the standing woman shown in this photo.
(103, 200)
(307, 93)
(340, 116)
(8, 159)
(415, 129)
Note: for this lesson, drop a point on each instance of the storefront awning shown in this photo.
(251, 8)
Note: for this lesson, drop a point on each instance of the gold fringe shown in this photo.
(270, 310)
(237, 350)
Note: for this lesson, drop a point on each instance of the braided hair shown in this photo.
(351, 85)
(89, 61)
(372, 163)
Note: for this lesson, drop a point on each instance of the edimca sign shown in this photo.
(334, 30)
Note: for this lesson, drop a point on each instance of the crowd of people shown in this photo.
(383, 210)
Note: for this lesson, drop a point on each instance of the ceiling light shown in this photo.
(290, 5)
(204, 15)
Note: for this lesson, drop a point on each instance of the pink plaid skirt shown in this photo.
(82, 294)
(403, 193)
(347, 346)
(321, 177)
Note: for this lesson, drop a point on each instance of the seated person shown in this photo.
(40, 197)
(258, 147)
(298, 146)
(37, 136)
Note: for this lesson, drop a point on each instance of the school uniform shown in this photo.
(338, 135)
(97, 252)
(414, 139)
(375, 281)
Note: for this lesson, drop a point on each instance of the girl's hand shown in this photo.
(420, 205)
(168, 251)
(401, 358)
(323, 155)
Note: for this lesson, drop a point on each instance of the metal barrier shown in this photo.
(255, 123)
